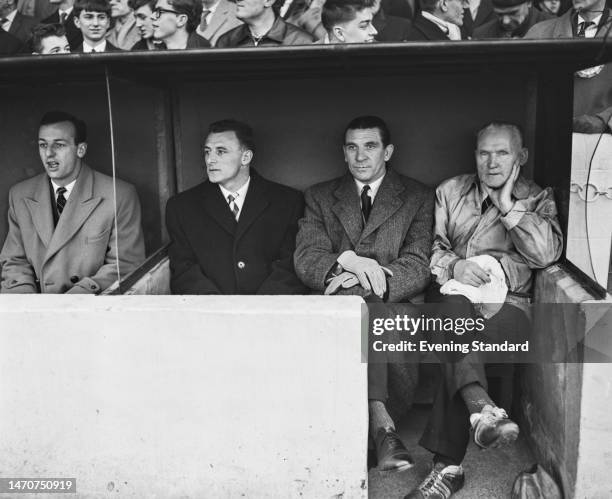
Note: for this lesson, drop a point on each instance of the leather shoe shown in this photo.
(391, 453)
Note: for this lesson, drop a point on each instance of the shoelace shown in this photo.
(434, 483)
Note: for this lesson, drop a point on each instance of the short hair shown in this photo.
(92, 6)
(342, 11)
(515, 130)
(192, 9)
(53, 117)
(244, 133)
(428, 5)
(136, 4)
(42, 31)
(364, 122)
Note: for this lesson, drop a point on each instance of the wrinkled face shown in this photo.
(225, 158)
(144, 23)
(497, 152)
(119, 8)
(454, 11)
(251, 9)
(589, 4)
(54, 45)
(357, 30)
(168, 22)
(365, 154)
(60, 154)
(93, 25)
(510, 18)
(551, 6)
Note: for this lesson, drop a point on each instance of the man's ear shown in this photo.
(246, 158)
(442, 5)
(338, 33)
(389, 152)
(181, 20)
(523, 155)
(77, 21)
(81, 149)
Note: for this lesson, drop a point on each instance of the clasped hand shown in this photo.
(371, 275)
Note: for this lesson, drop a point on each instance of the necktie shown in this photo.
(203, 22)
(485, 205)
(63, 17)
(61, 200)
(366, 202)
(233, 206)
(582, 27)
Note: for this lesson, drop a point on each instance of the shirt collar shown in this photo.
(67, 11)
(11, 17)
(68, 188)
(101, 47)
(239, 195)
(374, 186)
(276, 33)
(519, 191)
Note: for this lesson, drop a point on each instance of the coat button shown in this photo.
(241, 265)
(74, 279)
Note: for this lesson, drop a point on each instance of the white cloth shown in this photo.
(488, 298)
(452, 30)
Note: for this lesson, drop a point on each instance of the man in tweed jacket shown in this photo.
(368, 233)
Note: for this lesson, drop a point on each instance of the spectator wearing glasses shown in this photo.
(49, 39)
(124, 32)
(143, 10)
(92, 17)
(439, 20)
(175, 22)
(263, 26)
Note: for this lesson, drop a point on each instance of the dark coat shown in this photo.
(398, 233)
(390, 28)
(9, 44)
(484, 15)
(424, 30)
(21, 27)
(493, 29)
(74, 35)
(109, 48)
(211, 253)
(281, 33)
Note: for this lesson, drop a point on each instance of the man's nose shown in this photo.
(360, 155)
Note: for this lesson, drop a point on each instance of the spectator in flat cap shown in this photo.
(49, 39)
(514, 18)
(438, 20)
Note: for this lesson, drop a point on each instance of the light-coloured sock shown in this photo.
(379, 417)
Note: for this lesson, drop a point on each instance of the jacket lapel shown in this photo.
(217, 208)
(40, 208)
(563, 29)
(217, 20)
(348, 208)
(385, 204)
(255, 203)
(80, 205)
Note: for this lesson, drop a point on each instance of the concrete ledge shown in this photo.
(190, 397)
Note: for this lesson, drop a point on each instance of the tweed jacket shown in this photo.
(223, 20)
(80, 254)
(211, 253)
(398, 233)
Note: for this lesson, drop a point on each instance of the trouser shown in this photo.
(448, 430)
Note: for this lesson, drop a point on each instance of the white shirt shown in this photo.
(374, 186)
(9, 21)
(239, 196)
(591, 31)
(452, 30)
(101, 47)
(68, 188)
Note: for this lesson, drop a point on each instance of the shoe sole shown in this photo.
(396, 470)
(508, 435)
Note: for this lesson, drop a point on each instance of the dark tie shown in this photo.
(63, 17)
(233, 206)
(366, 202)
(61, 200)
(582, 27)
(485, 205)
(203, 23)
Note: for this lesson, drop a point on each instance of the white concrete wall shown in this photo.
(185, 397)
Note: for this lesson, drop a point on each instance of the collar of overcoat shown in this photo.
(348, 206)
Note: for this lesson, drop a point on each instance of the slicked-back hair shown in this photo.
(192, 9)
(53, 117)
(136, 4)
(244, 133)
(516, 130)
(337, 12)
(364, 122)
(92, 6)
(42, 31)
(428, 5)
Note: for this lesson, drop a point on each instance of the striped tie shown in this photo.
(231, 201)
(61, 200)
